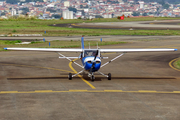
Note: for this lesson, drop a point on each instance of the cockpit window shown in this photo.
(89, 53)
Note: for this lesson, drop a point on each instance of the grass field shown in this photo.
(23, 26)
(56, 44)
(177, 64)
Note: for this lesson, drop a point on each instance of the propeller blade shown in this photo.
(93, 62)
(96, 55)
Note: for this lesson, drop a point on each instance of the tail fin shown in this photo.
(82, 42)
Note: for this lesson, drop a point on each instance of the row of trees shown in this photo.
(138, 13)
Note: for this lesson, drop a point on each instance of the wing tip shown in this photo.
(175, 49)
(5, 48)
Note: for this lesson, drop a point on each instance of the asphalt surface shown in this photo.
(94, 38)
(34, 85)
(142, 25)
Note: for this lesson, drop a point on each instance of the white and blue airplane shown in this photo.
(90, 58)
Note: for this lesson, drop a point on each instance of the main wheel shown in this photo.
(70, 76)
(109, 76)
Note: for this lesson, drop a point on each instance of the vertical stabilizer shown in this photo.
(82, 42)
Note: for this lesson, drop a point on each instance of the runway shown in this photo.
(136, 25)
(34, 85)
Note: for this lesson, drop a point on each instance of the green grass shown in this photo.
(59, 44)
(8, 42)
(177, 64)
(23, 26)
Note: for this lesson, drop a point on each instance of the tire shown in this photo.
(70, 76)
(92, 78)
(109, 76)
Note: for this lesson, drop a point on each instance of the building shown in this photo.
(1, 3)
(13, 12)
(68, 14)
(141, 4)
(66, 3)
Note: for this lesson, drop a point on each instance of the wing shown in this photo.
(46, 49)
(135, 50)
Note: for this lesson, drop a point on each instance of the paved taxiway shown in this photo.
(34, 85)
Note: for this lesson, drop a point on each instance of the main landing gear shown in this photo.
(109, 76)
(70, 76)
(91, 75)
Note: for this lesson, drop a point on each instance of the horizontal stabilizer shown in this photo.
(69, 57)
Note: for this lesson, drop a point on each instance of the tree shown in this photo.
(81, 6)
(136, 13)
(72, 9)
(144, 14)
(12, 1)
(51, 10)
(157, 8)
(3, 13)
(34, 1)
(98, 16)
(25, 10)
(57, 16)
(166, 6)
(162, 2)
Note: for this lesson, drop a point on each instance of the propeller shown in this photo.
(93, 62)
(96, 55)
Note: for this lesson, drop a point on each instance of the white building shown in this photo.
(66, 3)
(141, 4)
(1, 3)
(51, 5)
(13, 12)
(68, 14)
(107, 15)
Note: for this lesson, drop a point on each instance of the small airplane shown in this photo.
(90, 58)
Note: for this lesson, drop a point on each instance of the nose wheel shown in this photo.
(92, 78)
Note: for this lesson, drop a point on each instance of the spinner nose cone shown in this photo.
(5, 48)
(175, 49)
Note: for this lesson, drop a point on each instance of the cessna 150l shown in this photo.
(90, 58)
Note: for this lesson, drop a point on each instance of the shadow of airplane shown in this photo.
(87, 78)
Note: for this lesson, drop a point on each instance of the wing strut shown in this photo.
(70, 60)
(112, 60)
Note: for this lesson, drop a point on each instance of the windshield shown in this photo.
(89, 53)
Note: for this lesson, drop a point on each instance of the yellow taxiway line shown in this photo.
(89, 91)
(171, 62)
(70, 65)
